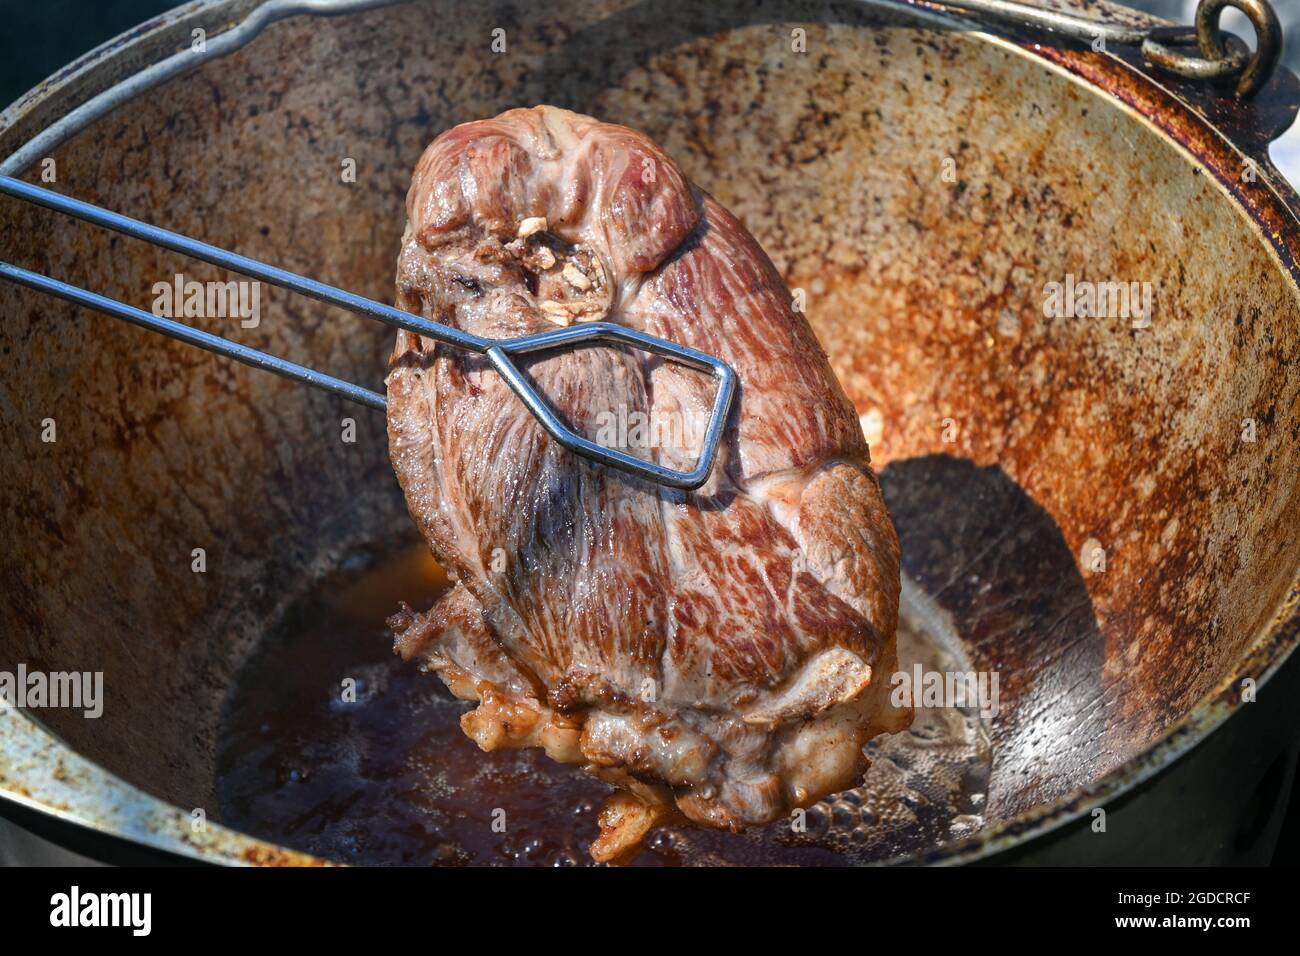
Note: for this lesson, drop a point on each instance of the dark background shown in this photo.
(41, 36)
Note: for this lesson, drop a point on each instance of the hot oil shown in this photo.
(333, 745)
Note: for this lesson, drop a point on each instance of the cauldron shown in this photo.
(1101, 507)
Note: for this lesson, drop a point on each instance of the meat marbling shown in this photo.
(721, 655)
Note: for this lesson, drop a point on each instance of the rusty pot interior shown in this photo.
(1010, 444)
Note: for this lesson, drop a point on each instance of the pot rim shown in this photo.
(1162, 104)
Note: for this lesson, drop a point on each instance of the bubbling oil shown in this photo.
(332, 745)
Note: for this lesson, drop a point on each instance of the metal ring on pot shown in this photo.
(1268, 37)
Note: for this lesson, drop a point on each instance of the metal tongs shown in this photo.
(498, 351)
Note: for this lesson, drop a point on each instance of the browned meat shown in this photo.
(722, 655)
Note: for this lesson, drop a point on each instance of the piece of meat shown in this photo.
(721, 655)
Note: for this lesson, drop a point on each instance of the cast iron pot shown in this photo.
(923, 183)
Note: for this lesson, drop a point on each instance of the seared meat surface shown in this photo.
(721, 655)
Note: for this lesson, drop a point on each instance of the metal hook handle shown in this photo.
(1158, 44)
(1220, 54)
(1268, 39)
